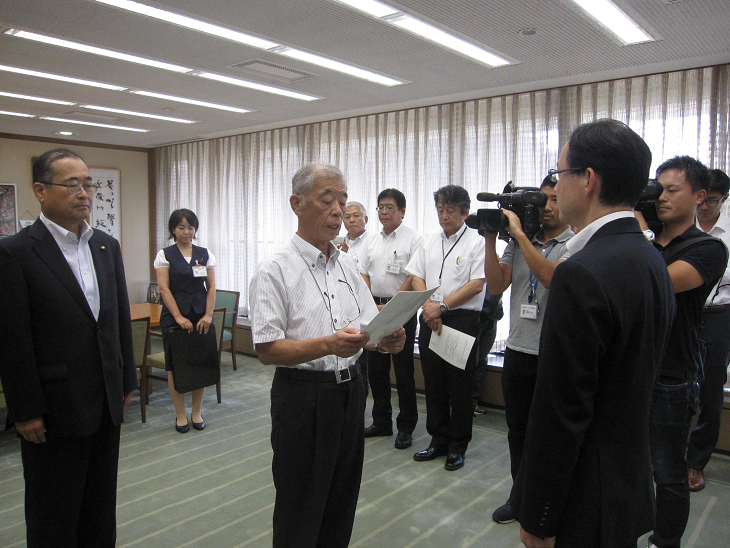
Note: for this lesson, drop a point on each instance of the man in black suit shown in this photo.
(585, 478)
(66, 361)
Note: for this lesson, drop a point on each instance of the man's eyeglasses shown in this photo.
(712, 202)
(75, 188)
(387, 208)
(553, 173)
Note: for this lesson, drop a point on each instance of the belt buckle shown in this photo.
(343, 375)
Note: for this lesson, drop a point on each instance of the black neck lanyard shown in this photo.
(447, 254)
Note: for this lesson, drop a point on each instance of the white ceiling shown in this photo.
(566, 49)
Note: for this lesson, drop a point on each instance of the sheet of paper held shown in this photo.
(452, 345)
(396, 313)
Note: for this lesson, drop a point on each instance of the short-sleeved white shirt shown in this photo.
(465, 262)
(298, 294)
(383, 251)
(162, 262)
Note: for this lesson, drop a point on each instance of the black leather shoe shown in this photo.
(375, 430)
(182, 429)
(430, 454)
(454, 461)
(198, 425)
(403, 440)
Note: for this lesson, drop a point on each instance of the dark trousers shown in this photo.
(318, 442)
(448, 388)
(519, 375)
(668, 426)
(379, 373)
(71, 489)
(716, 337)
(487, 334)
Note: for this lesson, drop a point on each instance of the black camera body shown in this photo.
(647, 206)
(523, 202)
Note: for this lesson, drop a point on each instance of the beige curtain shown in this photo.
(239, 186)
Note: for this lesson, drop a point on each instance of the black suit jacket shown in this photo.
(585, 475)
(56, 360)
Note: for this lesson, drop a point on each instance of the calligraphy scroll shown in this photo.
(106, 211)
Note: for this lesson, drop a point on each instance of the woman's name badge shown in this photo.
(199, 271)
(393, 268)
(528, 311)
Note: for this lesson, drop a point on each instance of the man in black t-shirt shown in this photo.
(695, 262)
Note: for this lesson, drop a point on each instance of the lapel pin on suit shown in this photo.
(103, 247)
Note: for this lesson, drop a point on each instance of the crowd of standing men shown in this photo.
(617, 337)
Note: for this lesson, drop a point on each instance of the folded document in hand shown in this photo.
(396, 313)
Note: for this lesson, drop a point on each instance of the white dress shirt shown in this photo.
(383, 255)
(78, 256)
(579, 241)
(355, 247)
(162, 262)
(465, 262)
(721, 230)
(298, 294)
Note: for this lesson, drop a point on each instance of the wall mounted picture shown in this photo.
(106, 214)
(8, 210)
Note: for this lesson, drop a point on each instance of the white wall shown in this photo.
(15, 167)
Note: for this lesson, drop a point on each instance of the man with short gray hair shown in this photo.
(308, 307)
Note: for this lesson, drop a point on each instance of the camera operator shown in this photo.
(695, 262)
(715, 335)
(528, 265)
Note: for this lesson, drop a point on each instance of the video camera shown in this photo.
(522, 201)
(647, 206)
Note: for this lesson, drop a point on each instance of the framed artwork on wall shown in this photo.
(8, 210)
(106, 212)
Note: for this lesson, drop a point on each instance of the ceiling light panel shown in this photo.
(339, 67)
(188, 101)
(189, 22)
(33, 98)
(254, 85)
(67, 121)
(429, 32)
(96, 51)
(404, 21)
(272, 47)
(20, 114)
(610, 16)
(60, 78)
(142, 114)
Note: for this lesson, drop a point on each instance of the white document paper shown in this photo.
(396, 313)
(452, 345)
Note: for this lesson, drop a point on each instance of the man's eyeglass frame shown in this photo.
(76, 187)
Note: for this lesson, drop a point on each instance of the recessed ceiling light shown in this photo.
(190, 23)
(429, 32)
(254, 85)
(134, 113)
(388, 14)
(33, 98)
(189, 101)
(64, 133)
(96, 51)
(615, 20)
(66, 121)
(338, 66)
(371, 7)
(21, 114)
(60, 78)
(253, 41)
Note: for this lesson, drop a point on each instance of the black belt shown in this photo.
(717, 308)
(381, 300)
(338, 376)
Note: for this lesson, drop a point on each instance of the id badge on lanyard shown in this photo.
(199, 271)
